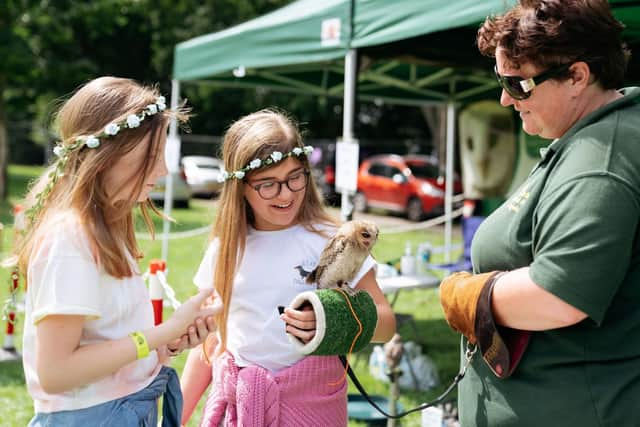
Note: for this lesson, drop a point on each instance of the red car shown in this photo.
(408, 184)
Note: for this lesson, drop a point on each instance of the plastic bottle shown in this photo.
(422, 257)
(408, 261)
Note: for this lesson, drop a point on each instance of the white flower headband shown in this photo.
(91, 141)
(273, 158)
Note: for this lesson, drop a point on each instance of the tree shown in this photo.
(16, 68)
(53, 47)
(50, 48)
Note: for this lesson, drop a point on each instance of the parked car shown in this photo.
(408, 184)
(202, 174)
(181, 190)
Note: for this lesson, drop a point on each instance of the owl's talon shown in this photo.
(349, 290)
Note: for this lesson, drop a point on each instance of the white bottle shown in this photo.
(408, 261)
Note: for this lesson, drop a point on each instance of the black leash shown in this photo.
(468, 356)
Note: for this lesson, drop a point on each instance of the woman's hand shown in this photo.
(300, 323)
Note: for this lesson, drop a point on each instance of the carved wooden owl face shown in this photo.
(487, 149)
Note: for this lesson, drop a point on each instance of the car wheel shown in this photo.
(360, 202)
(414, 210)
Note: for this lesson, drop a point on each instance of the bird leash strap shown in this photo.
(469, 353)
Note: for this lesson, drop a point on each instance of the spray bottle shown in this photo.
(408, 261)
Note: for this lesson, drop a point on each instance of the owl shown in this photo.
(343, 255)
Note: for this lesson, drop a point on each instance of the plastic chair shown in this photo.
(469, 227)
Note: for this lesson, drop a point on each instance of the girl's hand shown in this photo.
(300, 323)
(196, 334)
(198, 307)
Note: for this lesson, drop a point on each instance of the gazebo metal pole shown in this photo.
(350, 70)
(448, 189)
(173, 148)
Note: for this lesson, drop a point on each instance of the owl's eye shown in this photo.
(366, 235)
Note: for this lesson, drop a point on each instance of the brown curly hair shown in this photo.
(550, 33)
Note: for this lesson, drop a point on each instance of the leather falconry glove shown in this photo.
(466, 300)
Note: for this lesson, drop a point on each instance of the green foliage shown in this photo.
(64, 43)
(20, 178)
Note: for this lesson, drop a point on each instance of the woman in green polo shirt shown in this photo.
(553, 306)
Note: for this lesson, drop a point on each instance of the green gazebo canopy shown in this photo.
(410, 52)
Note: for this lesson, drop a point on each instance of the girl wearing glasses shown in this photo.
(552, 309)
(270, 219)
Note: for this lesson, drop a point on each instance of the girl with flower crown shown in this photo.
(92, 355)
(270, 220)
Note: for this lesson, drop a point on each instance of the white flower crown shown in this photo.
(273, 158)
(91, 141)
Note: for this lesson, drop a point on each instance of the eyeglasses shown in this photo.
(520, 88)
(271, 189)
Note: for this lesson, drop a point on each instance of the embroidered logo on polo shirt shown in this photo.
(516, 201)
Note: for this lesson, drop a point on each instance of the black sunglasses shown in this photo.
(520, 88)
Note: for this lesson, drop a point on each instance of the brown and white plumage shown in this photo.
(344, 254)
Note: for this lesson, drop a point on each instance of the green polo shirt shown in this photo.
(575, 222)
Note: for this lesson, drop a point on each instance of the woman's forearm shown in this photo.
(519, 303)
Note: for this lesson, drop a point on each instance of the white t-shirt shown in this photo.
(267, 278)
(64, 279)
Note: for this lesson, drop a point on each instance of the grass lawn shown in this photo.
(436, 339)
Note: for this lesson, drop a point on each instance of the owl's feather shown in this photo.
(343, 255)
(328, 257)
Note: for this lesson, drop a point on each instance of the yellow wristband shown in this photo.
(140, 341)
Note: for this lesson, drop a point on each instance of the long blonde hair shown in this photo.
(254, 136)
(109, 226)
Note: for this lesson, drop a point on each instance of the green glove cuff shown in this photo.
(336, 326)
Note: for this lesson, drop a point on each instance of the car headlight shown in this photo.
(430, 190)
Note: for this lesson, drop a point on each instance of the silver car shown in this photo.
(181, 190)
(202, 174)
